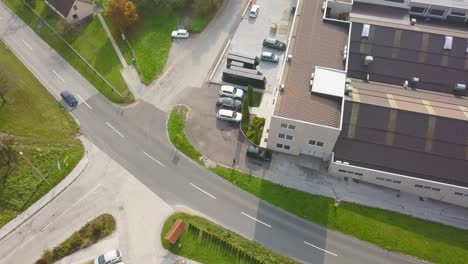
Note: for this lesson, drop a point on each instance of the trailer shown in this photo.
(235, 68)
(248, 63)
(238, 54)
(244, 79)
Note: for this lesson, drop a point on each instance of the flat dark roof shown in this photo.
(401, 54)
(316, 43)
(408, 143)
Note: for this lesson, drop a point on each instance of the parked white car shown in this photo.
(254, 11)
(230, 91)
(110, 257)
(229, 115)
(180, 33)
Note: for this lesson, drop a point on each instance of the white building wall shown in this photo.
(83, 10)
(301, 133)
(393, 3)
(429, 189)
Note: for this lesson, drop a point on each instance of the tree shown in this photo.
(65, 29)
(7, 153)
(123, 13)
(245, 110)
(5, 84)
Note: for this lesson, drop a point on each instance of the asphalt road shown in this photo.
(135, 137)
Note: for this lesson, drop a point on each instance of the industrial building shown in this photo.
(377, 89)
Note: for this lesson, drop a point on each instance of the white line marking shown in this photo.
(115, 130)
(155, 160)
(220, 58)
(58, 75)
(245, 10)
(331, 253)
(85, 102)
(55, 220)
(25, 43)
(253, 218)
(200, 189)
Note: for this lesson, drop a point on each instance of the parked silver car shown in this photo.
(229, 115)
(110, 257)
(230, 91)
(229, 103)
(180, 33)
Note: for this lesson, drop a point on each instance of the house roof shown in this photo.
(408, 143)
(316, 43)
(62, 6)
(401, 54)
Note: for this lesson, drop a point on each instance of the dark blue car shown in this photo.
(69, 98)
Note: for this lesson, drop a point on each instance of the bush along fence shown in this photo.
(103, 84)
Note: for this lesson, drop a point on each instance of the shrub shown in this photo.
(250, 95)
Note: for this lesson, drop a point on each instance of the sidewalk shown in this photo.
(46, 199)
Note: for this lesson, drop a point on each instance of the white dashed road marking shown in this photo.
(155, 160)
(60, 77)
(326, 251)
(253, 218)
(115, 130)
(200, 189)
(25, 43)
(85, 102)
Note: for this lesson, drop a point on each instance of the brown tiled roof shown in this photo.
(317, 43)
(404, 142)
(62, 6)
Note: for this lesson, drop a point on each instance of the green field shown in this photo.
(90, 41)
(175, 129)
(207, 242)
(46, 135)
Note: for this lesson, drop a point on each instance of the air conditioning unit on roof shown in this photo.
(459, 87)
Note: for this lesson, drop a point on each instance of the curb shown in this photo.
(46, 199)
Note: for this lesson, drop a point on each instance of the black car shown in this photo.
(69, 98)
(230, 103)
(274, 44)
(259, 153)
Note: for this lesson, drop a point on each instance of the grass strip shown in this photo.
(46, 135)
(426, 240)
(175, 128)
(89, 234)
(207, 242)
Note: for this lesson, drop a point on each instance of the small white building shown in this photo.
(72, 10)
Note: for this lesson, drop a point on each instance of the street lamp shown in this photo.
(34, 167)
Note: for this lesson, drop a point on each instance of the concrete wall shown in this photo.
(301, 133)
(429, 189)
(336, 8)
(400, 4)
(83, 10)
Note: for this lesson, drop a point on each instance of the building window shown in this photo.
(427, 187)
(396, 1)
(75, 16)
(281, 135)
(341, 170)
(279, 145)
(287, 147)
(292, 127)
(418, 186)
(457, 14)
(312, 142)
(319, 144)
(457, 193)
(289, 137)
(395, 181)
(380, 178)
(436, 189)
(417, 9)
(358, 174)
(283, 125)
(75, 7)
(437, 12)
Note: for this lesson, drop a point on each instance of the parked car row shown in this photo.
(272, 44)
(229, 103)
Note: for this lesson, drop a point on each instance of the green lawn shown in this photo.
(254, 129)
(257, 99)
(207, 242)
(175, 129)
(393, 231)
(45, 132)
(91, 42)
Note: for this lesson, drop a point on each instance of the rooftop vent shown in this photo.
(289, 58)
(368, 60)
(413, 21)
(448, 42)
(365, 31)
(466, 47)
(282, 87)
(459, 87)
